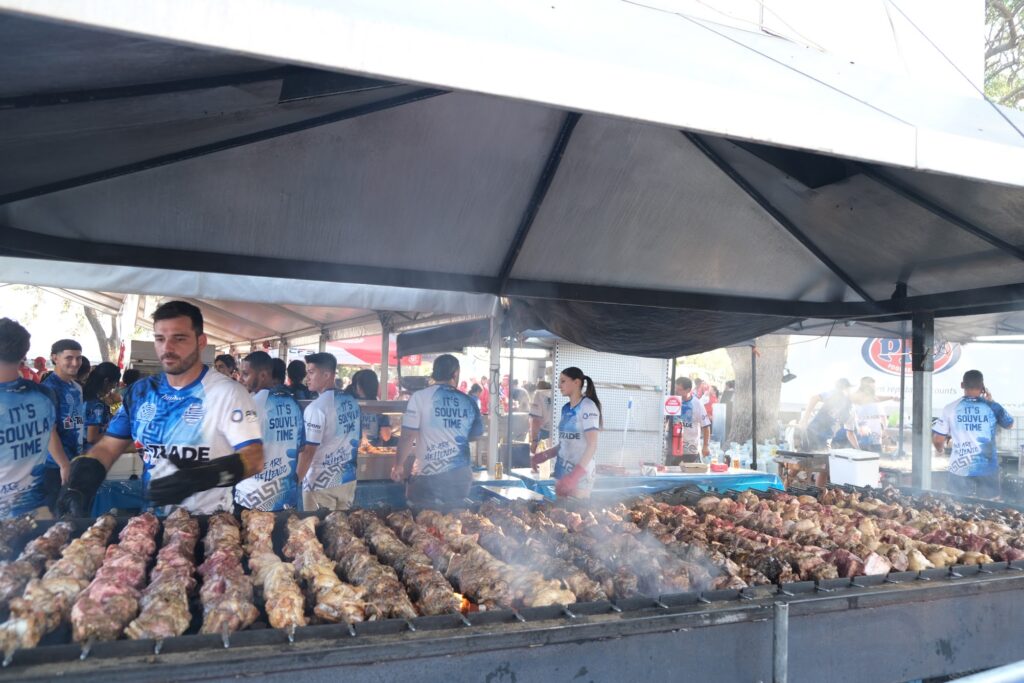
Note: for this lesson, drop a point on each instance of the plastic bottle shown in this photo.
(498, 470)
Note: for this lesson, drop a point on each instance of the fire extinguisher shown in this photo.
(677, 438)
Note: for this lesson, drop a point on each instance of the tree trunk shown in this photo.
(110, 345)
(771, 363)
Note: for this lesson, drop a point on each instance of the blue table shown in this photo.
(738, 480)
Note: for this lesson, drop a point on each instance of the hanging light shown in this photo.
(788, 376)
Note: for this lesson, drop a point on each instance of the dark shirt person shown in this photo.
(296, 381)
(198, 430)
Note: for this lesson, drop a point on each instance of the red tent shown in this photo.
(366, 351)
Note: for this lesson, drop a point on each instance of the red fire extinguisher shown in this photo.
(677, 438)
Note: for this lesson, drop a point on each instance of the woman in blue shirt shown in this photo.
(577, 436)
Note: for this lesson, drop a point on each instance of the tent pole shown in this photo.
(922, 343)
(492, 406)
(903, 386)
(753, 406)
(385, 353)
(508, 413)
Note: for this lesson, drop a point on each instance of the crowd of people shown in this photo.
(235, 435)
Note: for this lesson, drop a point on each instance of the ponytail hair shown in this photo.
(589, 390)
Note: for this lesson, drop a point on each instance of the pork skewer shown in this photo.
(111, 600)
(432, 592)
(334, 600)
(385, 595)
(282, 597)
(164, 603)
(226, 593)
(31, 562)
(46, 603)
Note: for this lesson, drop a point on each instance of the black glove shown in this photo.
(75, 498)
(189, 479)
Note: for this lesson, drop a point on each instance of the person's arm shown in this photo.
(940, 434)
(705, 435)
(536, 422)
(85, 475)
(305, 460)
(939, 441)
(59, 456)
(805, 419)
(252, 459)
(406, 442)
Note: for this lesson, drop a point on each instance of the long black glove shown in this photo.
(190, 479)
(75, 497)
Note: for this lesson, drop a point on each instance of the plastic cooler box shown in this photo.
(853, 467)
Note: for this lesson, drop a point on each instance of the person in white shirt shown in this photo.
(433, 450)
(540, 414)
(695, 421)
(327, 465)
(581, 420)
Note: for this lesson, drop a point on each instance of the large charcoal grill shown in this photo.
(899, 627)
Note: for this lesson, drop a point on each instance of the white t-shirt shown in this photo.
(971, 423)
(284, 434)
(212, 417)
(693, 417)
(540, 407)
(871, 421)
(576, 422)
(333, 425)
(445, 421)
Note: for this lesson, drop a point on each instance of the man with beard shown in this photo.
(197, 430)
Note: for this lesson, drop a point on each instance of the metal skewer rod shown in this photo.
(9, 656)
(291, 634)
(567, 612)
(615, 608)
(225, 636)
(158, 645)
(87, 648)
(351, 630)
(409, 625)
(462, 617)
(519, 617)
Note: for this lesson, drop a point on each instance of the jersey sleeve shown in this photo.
(590, 417)
(411, 419)
(1003, 418)
(315, 418)
(240, 423)
(121, 425)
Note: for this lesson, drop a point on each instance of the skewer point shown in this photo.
(351, 630)
(225, 636)
(462, 617)
(86, 649)
(291, 633)
(158, 645)
(410, 626)
(519, 617)
(8, 658)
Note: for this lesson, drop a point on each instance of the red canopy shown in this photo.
(366, 351)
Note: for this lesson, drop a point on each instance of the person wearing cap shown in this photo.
(970, 423)
(433, 450)
(835, 419)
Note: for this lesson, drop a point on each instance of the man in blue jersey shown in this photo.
(66, 355)
(284, 433)
(28, 415)
(197, 430)
(433, 451)
(970, 423)
(327, 466)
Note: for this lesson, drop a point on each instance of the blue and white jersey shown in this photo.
(97, 414)
(972, 422)
(284, 433)
(27, 414)
(445, 421)
(333, 425)
(694, 417)
(208, 419)
(540, 407)
(574, 423)
(70, 416)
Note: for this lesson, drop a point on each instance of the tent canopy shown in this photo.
(383, 181)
